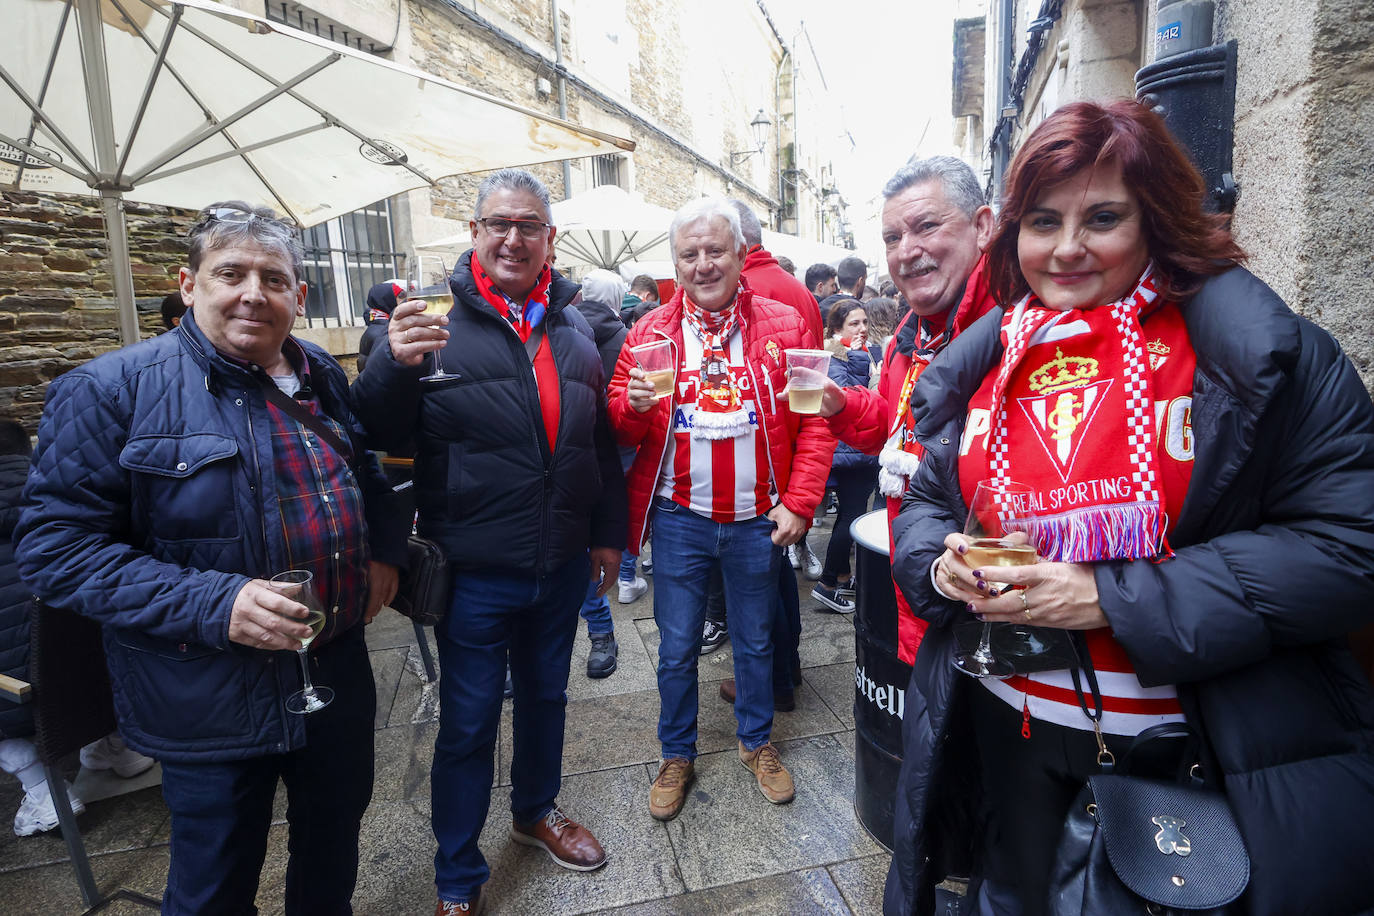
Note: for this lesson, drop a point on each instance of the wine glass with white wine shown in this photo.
(299, 586)
(996, 527)
(428, 282)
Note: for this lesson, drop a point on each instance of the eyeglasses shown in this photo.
(530, 229)
(236, 215)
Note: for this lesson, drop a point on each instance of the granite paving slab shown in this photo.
(642, 866)
(835, 685)
(125, 822)
(51, 890)
(634, 669)
(416, 699)
(725, 813)
(404, 755)
(810, 892)
(861, 882)
(388, 668)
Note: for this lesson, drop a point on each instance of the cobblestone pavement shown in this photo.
(729, 852)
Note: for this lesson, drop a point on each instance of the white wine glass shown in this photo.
(428, 281)
(996, 528)
(299, 586)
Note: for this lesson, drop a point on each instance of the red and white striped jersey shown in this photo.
(726, 480)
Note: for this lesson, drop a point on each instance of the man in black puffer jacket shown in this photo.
(518, 479)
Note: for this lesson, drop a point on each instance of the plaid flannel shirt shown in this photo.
(321, 506)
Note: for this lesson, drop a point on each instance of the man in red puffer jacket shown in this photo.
(724, 477)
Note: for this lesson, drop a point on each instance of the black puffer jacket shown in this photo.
(1274, 565)
(16, 720)
(487, 487)
(608, 331)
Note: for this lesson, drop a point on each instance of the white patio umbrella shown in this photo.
(181, 103)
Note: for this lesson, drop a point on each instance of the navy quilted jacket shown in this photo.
(150, 504)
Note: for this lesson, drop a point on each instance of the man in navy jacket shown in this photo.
(168, 486)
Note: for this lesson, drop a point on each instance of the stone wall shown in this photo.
(57, 306)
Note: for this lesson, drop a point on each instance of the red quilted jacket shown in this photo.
(799, 447)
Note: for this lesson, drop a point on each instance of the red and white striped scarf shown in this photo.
(1091, 419)
(720, 412)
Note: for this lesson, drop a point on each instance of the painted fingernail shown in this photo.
(977, 574)
(970, 607)
(994, 592)
(982, 586)
(980, 616)
(962, 549)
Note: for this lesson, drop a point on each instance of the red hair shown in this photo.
(1186, 243)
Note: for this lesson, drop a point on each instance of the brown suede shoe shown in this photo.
(470, 907)
(774, 781)
(567, 842)
(669, 789)
(782, 702)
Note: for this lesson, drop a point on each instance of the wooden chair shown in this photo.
(69, 688)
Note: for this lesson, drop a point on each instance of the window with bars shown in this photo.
(607, 170)
(344, 258)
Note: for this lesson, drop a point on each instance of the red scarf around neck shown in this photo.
(536, 303)
(720, 412)
(1082, 423)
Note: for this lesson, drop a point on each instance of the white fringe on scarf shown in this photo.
(895, 469)
(707, 425)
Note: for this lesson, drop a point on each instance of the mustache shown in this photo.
(926, 263)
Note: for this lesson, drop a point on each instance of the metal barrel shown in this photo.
(880, 679)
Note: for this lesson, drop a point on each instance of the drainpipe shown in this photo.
(1001, 151)
(562, 89)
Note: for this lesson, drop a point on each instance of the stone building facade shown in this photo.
(683, 78)
(1304, 116)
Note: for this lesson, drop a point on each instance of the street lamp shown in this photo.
(759, 128)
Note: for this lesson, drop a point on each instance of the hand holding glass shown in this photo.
(807, 371)
(656, 359)
(299, 586)
(428, 282)
(995, 529)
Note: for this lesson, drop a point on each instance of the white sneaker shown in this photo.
(794, 556)
(630, 592)
(111, 753)
(812, 563)
(38, 814)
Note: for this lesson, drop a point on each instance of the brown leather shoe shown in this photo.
(470, 907)
(669, 789)
(782, 702)
(567, 842)
(774, 781)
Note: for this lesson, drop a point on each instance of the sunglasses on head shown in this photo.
(237, 215)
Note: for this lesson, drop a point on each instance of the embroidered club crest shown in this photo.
(1065, 402)
(1158, 351)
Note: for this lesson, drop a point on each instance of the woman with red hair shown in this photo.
(1201, 468)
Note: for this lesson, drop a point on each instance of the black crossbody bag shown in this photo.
(1138, 845)
(422, 593)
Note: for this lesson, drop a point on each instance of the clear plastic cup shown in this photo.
(806, 374)
(656, 359)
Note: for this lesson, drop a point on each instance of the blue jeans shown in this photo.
(221, 811)
(534, 619)
(628, 561)
(596, 610)
(748, 562)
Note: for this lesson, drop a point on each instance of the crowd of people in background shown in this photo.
(1199, 459)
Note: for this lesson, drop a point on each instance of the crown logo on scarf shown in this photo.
(1063, 372)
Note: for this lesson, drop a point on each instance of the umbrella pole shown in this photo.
(120, 267)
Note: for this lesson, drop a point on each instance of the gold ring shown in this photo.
(407, 335)
(1025, 604)
(952, 577)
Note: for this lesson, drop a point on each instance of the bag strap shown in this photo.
(1083, 661)
(301, 414)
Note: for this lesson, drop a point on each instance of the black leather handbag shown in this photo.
(1137, 845)
(423, 593)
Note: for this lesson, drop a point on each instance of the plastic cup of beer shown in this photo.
(656, 359)
(806, 374)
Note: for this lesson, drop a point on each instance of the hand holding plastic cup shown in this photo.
(807, 371)
(656, 359)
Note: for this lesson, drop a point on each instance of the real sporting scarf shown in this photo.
(720, 412)
(536, 303)
(901, 454)
(1080, 424)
